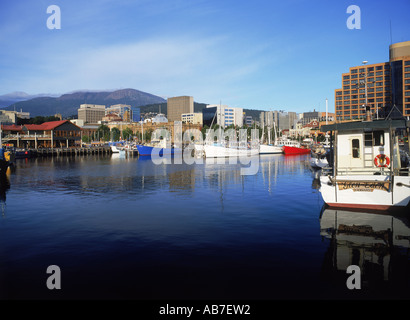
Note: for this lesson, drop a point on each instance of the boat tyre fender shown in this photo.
(381, 160)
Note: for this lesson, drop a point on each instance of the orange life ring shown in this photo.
(381, 160)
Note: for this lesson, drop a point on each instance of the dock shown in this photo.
(57, 152)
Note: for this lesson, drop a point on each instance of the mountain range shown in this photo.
(68, 104)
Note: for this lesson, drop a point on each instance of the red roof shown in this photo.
(51, 125)
(34, 127)
(12, 127)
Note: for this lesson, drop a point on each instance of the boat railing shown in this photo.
(363, 171)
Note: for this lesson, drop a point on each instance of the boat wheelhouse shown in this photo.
(370, 165)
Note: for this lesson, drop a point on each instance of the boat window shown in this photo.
(355, 148)
(378, 138)
(368, 140)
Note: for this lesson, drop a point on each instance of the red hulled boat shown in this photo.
(295, 150)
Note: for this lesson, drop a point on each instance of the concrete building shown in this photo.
(91, 113)
(226, 116)
(192, 118)
(385, 87)
(308, 117)
(10, 117)
(119, 109)
(176, 106)
(285, 120)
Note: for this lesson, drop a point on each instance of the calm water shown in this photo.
(129, 229)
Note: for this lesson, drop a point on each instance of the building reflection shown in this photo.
(378, 243)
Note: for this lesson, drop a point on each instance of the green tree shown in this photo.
(127, 133)
(115, 134)
(86, 139)
(103, 132)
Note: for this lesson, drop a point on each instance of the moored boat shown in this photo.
(368, 168)
(295, 150)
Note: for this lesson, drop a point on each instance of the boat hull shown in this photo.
(295, 150)
(365, 192)
(149, 150)
(318, 163)
(267, 149)
(212, 151)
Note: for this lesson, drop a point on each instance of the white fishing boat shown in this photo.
(270, 148)
(318, 157)
(115, 149)
(221, 150)
(369, 170)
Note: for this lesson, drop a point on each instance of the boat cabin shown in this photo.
(369, 147)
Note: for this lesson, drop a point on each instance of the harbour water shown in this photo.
(126, 228)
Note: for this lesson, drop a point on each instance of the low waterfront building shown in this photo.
(53, 134)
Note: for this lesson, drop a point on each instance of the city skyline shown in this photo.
(262, 55)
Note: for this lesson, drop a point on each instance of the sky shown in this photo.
(266, 55)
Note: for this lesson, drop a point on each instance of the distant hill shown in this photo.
(68, 104)
(14, 97)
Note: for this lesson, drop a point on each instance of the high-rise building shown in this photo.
(226, 116)
(136, 114)
(176, 106)
(118, 109)
(91, 113)
(383, 87)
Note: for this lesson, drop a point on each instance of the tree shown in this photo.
(86, 139)
(115, 134)
(127, 133)
(103, 132)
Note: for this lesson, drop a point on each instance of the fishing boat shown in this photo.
(115, 149)
(318, 156)
(295, 149)
(222, 150)
(158, 147)
(369, 169)
(270, 148)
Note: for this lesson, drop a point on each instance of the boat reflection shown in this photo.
(378, 243)
(4, 187)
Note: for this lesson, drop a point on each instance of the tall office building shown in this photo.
(226, 116)
(91, 113)
(386, 86)
(136, 114)
(177, 106)
(119, 109)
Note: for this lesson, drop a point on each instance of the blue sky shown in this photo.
(267, 55)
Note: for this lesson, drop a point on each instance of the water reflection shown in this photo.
(4, 187)
(379, 243)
